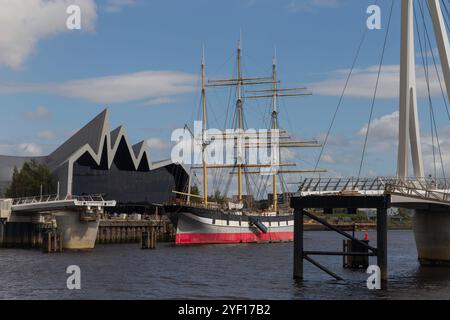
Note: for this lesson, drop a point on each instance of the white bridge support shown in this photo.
(431, 223)
(77, 217)
(441, 40)
(76, 234)
(409, 131)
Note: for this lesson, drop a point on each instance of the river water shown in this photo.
(237, 271)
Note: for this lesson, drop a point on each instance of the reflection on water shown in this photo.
(239, 271)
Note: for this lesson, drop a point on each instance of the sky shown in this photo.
(141, 59)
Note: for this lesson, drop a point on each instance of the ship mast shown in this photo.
(239, 112)
(274, 127)
(205, 180)
(274, 92)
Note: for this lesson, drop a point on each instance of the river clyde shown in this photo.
(237, 271)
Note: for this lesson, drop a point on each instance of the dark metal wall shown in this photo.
(130, 187)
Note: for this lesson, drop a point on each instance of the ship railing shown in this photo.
(210, 205)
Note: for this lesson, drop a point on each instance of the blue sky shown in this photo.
(141, 59)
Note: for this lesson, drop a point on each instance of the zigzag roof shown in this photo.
(95, 138)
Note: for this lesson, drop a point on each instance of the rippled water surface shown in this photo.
(241, 271)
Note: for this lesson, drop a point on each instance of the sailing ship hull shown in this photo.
(209, 226)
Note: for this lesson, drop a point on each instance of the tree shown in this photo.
(27, 181)
(218, 198)
(195, 192)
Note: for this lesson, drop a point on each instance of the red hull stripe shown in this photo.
(197, 238)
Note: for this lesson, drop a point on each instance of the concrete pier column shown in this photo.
(432, 234)
(76, 234)
(2, 231)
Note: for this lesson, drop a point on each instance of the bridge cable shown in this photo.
(434, 59)
(432, 113)
(341, 98)
(376, 90)
(446, 16)
(423, 50)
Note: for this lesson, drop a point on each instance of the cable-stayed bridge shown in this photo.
(428, 196)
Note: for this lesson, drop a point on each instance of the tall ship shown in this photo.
(201, 218)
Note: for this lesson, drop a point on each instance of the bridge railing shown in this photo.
(378, 184)
(55, 197)
(420, 189)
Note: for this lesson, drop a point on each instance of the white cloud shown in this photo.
(384, 139)
(383, 128)
(40, 113)
(47, 135)
(26, 22)
(328, 158)
(117, 5)
(159, 101)
(287, 155)
(31, 149)
(363, 80)
(159, 149)
(144, 85)
(383, 135)
(427, 151)
(22, 149)
(156, 143)
(429, 53)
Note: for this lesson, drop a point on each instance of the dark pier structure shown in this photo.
(352, 202)
(23, 234)
(129, 231)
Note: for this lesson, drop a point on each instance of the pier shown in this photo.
(352, 202)
(79, 222)
(25, 220)
(112, 231)
(428, 198)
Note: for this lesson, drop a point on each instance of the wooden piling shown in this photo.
(148, 239)
(53, 242)
(298, 243)
(382, 244)
(2, 232)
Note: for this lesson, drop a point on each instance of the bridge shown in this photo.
(429, 198)
(76, 217)
(405, 193)
(38, 204)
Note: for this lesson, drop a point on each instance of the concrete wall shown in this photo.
(432, 234)
(76, 234)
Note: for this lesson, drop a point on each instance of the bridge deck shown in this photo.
(341, 201)
(406, 190)
(54, 202)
